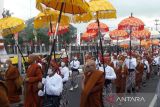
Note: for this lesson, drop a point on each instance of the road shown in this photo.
(146, 95)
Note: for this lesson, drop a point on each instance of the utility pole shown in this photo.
(156, 23)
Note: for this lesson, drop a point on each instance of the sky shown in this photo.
(146, 10)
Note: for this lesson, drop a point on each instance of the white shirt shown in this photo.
(52, 85)
(115, 63)
(75, 64)
(130, 63)
(157, 60)
(109, 72)
(65, 72)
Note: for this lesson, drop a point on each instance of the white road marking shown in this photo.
(152, 103)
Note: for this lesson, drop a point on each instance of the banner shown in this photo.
(78, 39)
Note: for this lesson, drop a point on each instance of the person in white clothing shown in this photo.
(131, 63)
(109, 76)
(52, 88)
(65, 77)
(74, 67)
(145, 71)
(64, 72)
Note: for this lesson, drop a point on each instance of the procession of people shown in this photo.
(128, 73)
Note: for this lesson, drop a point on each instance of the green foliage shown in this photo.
(8, 40)
(67, 36)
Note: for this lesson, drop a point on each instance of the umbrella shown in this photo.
(103, 8)
(88, 36)
(155, 42)
(66, 6)
(11, 25)
(100, 9)
(61, 30)
(93, 27)
(69, 6)
(131, 24)
(142, 34)
(117, 35)
(124, 45)
(49, 17)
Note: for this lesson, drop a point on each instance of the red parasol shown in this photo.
(133, 22)
(89, 36)
(142, 34)
(61, 30)
(118, 34)
(93, 27)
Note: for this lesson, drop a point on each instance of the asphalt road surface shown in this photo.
(145, 97)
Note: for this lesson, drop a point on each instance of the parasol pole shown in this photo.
(140, 45)
(117, 47)
(52, 35)
(152, 46)
(101, 46)
(54, 40)
(130, 42)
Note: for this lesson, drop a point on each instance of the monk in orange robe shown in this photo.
(33, 76)
(92, 86)
(4, 102)
(139, 73)
(121, 73)
(11, 75)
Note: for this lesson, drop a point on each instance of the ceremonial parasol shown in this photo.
(131, 24)
(93, 27)
(12, 25)
(88, 36)
(142, 34)
(118, 35)
(66, 6)
(100, 9)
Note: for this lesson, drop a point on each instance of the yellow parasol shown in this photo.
(100, 9)
(44, 19)
(69, 6)
(66, 6)
(103, 8)
(11, 25)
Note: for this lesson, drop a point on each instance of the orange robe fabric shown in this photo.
(4, 102)
(139, 74)
(31, 87)
(120, 81)
(91, 95)
(11, 75)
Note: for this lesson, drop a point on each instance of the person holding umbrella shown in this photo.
(53, 86)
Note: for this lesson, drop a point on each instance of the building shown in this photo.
(1, 7)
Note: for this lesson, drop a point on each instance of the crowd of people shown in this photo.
(127, 72)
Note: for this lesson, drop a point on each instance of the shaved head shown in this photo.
(32, 58)
(90, 65)
(8, 61)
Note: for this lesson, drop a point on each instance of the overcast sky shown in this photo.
(147, 10)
